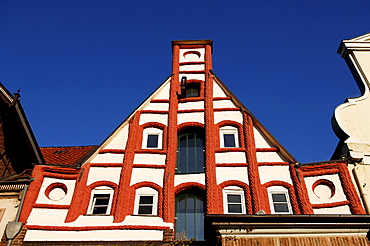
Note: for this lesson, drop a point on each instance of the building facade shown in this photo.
(192, 162)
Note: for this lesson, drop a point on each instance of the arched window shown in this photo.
(190, 151)
(234, 201)
(152, 138)
(146, 201)
(190, 217)
(279, 200)
(229, 137)
(101, 200)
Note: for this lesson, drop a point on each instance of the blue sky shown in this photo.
(84, 66)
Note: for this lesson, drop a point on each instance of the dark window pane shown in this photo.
(229, 140)
(281, 207)
(234, 208)
(101, 200)
(190, 224)
(152, 141)
(192, 90)
(279, 197)
(190, 153)
(146, 200)
(145, 209)
(234, 198)
(100, 210)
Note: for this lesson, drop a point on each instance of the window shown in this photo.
(146, 201)
(192, 90)
(189, 217)
(101, 200)
(190, 152)
(145, 204)
(279, 200)
(229, 137)
(152, 138)
(234, 202)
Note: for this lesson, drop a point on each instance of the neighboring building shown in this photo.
(351, 120)
(18, 151)
(190, 150)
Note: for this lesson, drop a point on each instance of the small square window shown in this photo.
(100, 203)
(152, 138)
(229, 137)
(192, 90)
(146, 205)
(152, 141)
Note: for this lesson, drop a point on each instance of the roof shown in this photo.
(67, 155)
(17, 140)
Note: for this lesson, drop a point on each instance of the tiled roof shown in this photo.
(66, 155)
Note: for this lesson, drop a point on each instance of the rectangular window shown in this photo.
(280, 202)
(146, 205)
(234, 203)
(100, 203)
(152, 141)
(229, 140)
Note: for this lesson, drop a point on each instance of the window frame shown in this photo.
(229, 130)
(152, 131)
(146, 191)
(193, 87)
(100, 190)
(233, 190)
(279, 190)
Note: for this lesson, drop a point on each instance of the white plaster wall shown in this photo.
(108, 158)
(232, 173)
(104, 174)
(228, 115)
(183, 59)
(338, 196)
(145, 220)
(103, 235)
(119, 139)
(157, 106)
(43, 216)
(183, 178)
(269, 157)
(190, 117)
(191, 105)
(64, 201)
(150, 159)
(147, 174)
(192, 68)
(336, 210)
(164, 92)
(217, 91)
(223, 104)
(270, 173)
(231, 157)
(161, 118)
(260, 140)
(192, 76)
(11, 206)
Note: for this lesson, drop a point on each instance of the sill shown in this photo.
(190, 173)
(97, 215)
(229, 149)
(145, 215)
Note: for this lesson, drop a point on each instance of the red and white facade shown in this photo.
(134, 179)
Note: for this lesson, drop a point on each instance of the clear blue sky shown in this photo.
(84, 66)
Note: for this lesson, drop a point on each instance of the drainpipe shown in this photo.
(13, 228)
